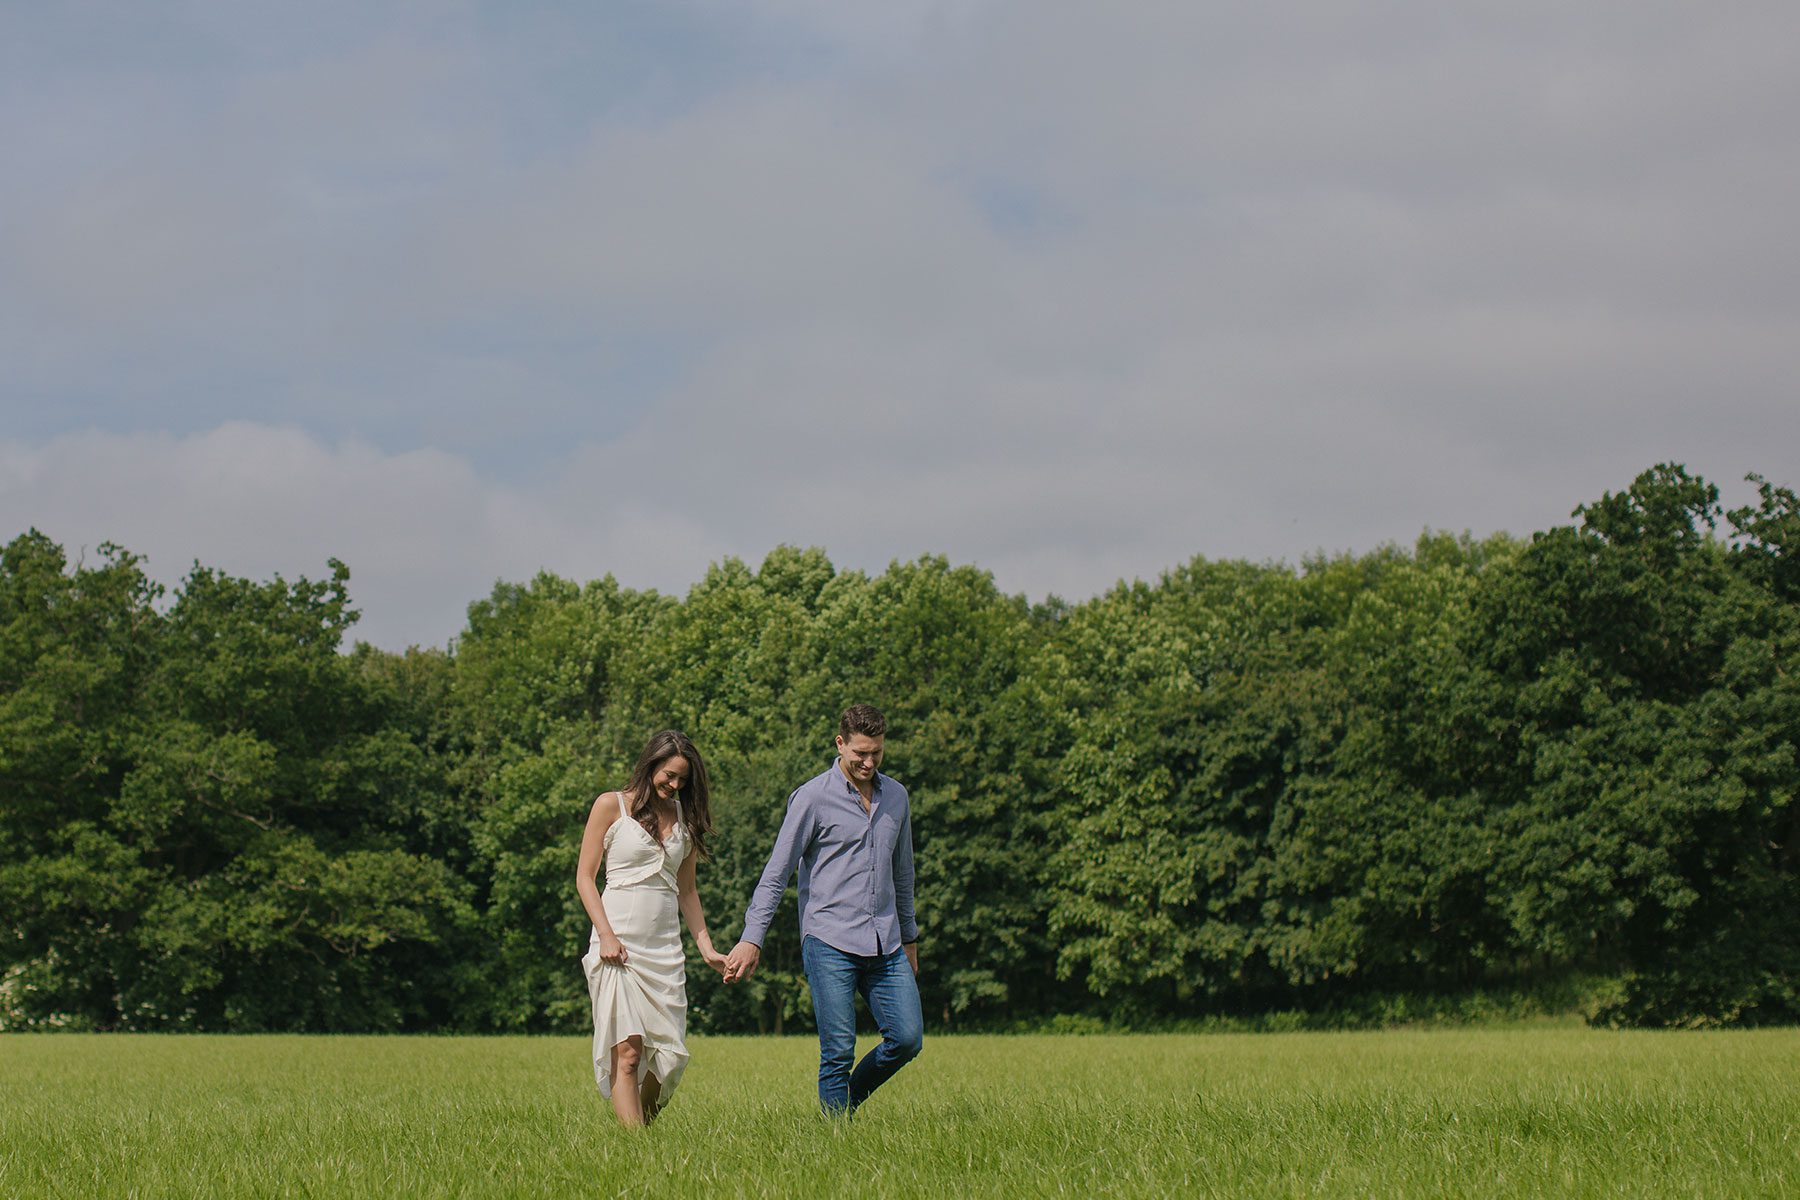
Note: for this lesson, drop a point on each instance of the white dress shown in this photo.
(647, 996)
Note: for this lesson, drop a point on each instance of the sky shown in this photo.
(1074, 292)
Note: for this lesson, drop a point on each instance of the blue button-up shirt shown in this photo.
(856, 868)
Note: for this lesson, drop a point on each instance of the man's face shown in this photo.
(862, 756)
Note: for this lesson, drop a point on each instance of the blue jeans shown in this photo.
(886, 983)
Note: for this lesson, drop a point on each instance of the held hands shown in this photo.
(712, 958)
(741, 963)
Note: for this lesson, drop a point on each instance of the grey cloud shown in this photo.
(1069, 291)
(424, 534)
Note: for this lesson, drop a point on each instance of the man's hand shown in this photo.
(741, 962)
(912, 955)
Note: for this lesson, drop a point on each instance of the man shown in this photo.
(850, 832)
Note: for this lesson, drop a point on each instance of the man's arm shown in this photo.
(796, 831)
(903, 891)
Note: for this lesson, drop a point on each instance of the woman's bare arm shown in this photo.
(587, 871)
(688, 897)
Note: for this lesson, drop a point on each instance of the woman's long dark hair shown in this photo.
(696, 794)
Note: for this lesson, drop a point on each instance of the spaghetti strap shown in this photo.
(622, 812)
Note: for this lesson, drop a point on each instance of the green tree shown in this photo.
(537, 673)
(233, 866)
(1637, 777)
(74, 646)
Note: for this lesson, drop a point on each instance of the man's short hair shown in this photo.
(865, 719)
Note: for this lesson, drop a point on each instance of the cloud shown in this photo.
(424, 534)
(1071, 292)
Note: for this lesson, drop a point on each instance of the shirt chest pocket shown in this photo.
(842, 832)
(886, 832)
(860, 834)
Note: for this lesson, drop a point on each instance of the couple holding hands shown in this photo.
(848, 831)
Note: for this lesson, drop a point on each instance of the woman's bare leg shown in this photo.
(650, 1097)
(625, 1058)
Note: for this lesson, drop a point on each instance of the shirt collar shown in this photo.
(837, 769)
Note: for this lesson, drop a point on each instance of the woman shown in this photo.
(649, 836)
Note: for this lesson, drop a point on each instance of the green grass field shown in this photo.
(1547, 1111)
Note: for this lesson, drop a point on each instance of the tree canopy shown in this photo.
(1236, 788)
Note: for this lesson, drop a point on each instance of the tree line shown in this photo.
(1237, 789)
